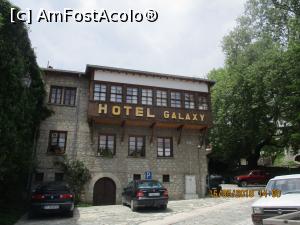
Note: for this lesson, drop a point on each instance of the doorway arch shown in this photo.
(104, 192)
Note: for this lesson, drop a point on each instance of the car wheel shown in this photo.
(132, 206)
(70, 213)
(243, 183)
(163, 207)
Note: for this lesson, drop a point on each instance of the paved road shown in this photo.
(238, 213)
(205, 211)
(210, 211)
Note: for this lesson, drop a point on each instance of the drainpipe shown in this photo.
(33, 157)
(74, 153)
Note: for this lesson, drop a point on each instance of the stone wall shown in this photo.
(82, 141)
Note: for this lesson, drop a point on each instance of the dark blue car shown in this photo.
(52, 198)
(144, 193)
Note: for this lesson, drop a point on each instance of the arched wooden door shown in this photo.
(104, 192)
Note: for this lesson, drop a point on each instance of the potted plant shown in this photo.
(104, 152)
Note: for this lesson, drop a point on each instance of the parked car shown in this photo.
(289, 200)
(253, 177)
(52, 197)
(143, 193)
(214, 181)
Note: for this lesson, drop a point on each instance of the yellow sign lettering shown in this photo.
(139, 111)
(195, 116)
(149, 114)
(116, 110)
(202, 117)
(174, 116)
(187, 117)
(127, 109)
(102, 108)
(180, 117)
(166, 114)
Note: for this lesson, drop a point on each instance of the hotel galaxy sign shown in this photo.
(148, 113)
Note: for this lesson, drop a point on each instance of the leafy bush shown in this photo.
(21, 106)
(77, 175)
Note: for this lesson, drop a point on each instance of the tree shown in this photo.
(21, 104)
(256, 96)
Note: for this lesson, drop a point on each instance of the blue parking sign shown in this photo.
(148, 175)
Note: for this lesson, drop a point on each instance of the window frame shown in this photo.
(143, 152)
(136, 175)
(201, 102)
(132, 95)
(168, 102)
(51, 149)
(39, 175)
(167, 180)
(147, 96)
(62, 100)
(69, 89)
(116, 93)
(189, 100)
(51, 92)
(161, 98)
(164, 148)
(100, 92)
(106, 144)
(175, 99)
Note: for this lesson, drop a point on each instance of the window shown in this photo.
(166, 178)
(136, 176)
(107, 145)
(55, 95)
(203, 103)
(59, 177)
(161, 98)
(116, 94)
(175, 99)
(189, 101)
(99, 92)
(39, 177)
(164, 147)
(69, 96)
(146, 96)
(62, 95)
(136, 146)
(132, 95)
(57, 142)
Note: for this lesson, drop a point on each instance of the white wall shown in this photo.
(150, 81)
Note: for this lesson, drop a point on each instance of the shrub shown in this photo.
(77, 175)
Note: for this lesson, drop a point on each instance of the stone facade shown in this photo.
(82, 144)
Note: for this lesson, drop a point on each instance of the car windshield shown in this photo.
(149, 184)
(286, 186)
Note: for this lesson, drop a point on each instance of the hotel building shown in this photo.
(123, 125)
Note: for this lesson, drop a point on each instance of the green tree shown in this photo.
(256, 97)
(21, 105)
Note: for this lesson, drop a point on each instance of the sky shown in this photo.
(184, 40)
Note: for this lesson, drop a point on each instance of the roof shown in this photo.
(122, 70)
(62, 71)
(147, 73)
(291, 176)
